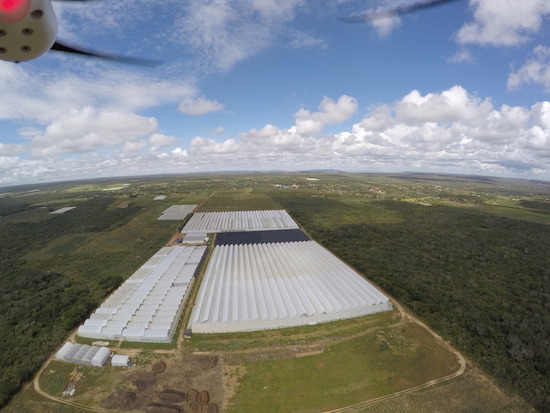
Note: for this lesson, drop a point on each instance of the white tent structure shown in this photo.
(147, 306)
(176, 212)
(101, 357)
(120, 360)
(228, 221)
(264, 286)
(83, 354)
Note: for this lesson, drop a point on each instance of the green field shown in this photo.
(387, 361)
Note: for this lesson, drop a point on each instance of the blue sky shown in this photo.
(283, 85)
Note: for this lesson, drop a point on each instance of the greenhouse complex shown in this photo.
(283, 284)
(239, 221)
(263, 273)
(273, 278)
(147, 306)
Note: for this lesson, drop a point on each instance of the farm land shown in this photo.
(467, 256)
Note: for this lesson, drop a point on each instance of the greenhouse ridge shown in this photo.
(251, 287)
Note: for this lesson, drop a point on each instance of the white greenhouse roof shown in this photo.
(83, 354)
(264, 286)
(176, 212)
(62, 210)
(239, 221)
(150, 300)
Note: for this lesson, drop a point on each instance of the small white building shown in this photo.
(120, 360)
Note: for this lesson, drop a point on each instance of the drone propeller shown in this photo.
(60, 47)
(370, 16)
(65, 48)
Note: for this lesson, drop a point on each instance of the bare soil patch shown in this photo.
(181, 384)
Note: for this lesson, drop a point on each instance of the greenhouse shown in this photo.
(272, 285)
(147, 306)
(83, 354)
(176, 212)
(229, 221)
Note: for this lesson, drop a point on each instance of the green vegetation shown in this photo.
(366, 367)
(469, 255)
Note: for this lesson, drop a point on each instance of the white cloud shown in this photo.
(462, 56)
(384, 26)
(452, 130)
(301, 40)
(217, 131)
(503, 22)
(199, 106)
(466, 134)
(7, 149)
(88, 129)
(180, 153)
(225, 32)
(454, 104)
(330, 113)
(536, 70)
(42, 96)
(158, 141)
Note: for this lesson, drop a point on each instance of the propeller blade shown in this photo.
(370, 16)
(60, 47)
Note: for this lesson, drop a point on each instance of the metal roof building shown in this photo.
(272, 285)
(147, 306)
(176, 212)
(229, 221)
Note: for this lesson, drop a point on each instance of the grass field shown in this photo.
(471, 392)
(381, 363)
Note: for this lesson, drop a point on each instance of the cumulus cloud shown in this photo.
(331, 112)
(503, 22)
(158, 141)
(451, 105)
(452, 130)
(535, 71)
(199, 106)
(466, 134)
(88, 129)
(10, 149)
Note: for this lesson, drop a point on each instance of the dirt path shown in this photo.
(461, 361)
(36, 386)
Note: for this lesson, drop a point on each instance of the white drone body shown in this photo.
(28, 29)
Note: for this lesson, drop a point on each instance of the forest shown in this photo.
(480, 280)
(39, 307)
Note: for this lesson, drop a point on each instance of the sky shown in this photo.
(262, 85)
